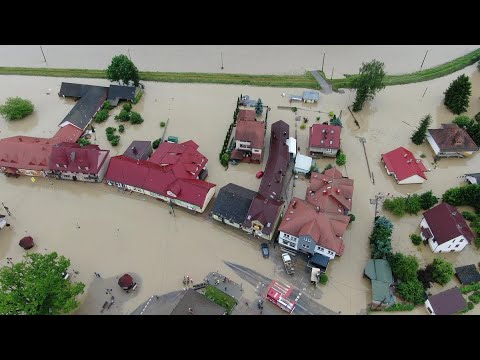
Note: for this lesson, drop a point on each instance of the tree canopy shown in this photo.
(16, 108)
(457, 96)
(412, 291)
(36, 286)
(123, 69)
(259, 107)
(380, 239)
(368, 83)
(442, 271)
(404, 267)
(420, 134)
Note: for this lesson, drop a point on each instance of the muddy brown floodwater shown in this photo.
(103, 230)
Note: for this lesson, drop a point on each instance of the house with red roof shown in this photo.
(324, 140)
(402, 165)
(70, 161)
(330, 191)
(249, 138)
(171, 174)
(445, 229)
(308, 229)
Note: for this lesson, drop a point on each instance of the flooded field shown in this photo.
(249, 59)
(103, 230)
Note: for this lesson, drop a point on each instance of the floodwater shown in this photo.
(103, 230)
(251, 59)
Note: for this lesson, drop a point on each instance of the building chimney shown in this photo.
(72, 156)
(134, 150)
(338, 191)
(318, 209)
(294, 204)
(324, 192)
(405, 155)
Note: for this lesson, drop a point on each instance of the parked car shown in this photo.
(259, 175)
(265, 250)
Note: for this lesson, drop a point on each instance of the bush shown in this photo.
(101, 116)
(469, 215)
(469, 288)
(400, 307)
(412, 291)
(115, 141)
(16, 108)
(110, 130)
(127, 107)
(396, 206)
(323, 279)
(138, 96)
(404, 267)
(110, 137)
(123, 116)
(416, 239)
(225, 158)
(475, 297)
(318, 118)
(427, 200)
(121, 128)
(470, 305)
(380, 241)
(162, 124)
(412, 204)
(463, 121)
(303, 126)
(135, 118)
(83, 142)
(107, 106)
(341, 158)
(156, 143)
(426, 276)
(477, 242)
(442, 271)
(352, 218)
(329, 166)
(423, 156)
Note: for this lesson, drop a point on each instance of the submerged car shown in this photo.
(265, 250)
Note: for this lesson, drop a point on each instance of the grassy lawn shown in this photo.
(220, 298)
(289, 81)
(419, 76)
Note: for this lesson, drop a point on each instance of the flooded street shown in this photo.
(248, 59)
(103, 230)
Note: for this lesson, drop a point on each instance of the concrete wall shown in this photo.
(433, 144)
(429, 307)
(288, 240)
(225, 221)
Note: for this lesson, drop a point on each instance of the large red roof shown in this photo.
(249, 115)
(68, 133)
(330, 191)
(252, 131)
(325, 136)
(265, 211)
(446, 223)
(70, 157)
(325, 229)
(403, 164)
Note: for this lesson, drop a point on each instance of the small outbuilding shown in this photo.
(126, 282)
(27, 243)
(303, 164)
(380, 273)
(467, 274)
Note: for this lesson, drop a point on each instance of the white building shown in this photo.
(303, 164)
(451, 141)
(445, 229)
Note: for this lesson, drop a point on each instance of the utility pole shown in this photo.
(331, 77)
(323, 62)
(129, 54)
(424, 92)
(43, 54)
(221, 57)
(424, 59)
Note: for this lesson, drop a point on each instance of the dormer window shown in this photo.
(57, 165)
(87, 168)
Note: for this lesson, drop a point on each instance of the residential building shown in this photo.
(194, 303)
(402, 165)
(324, 140)
(263, 217)
(171, 174)
(249, 138)
(292, 147)
(447, 302)
(3, 221)
(381, 276)
(308, 229)
(302, 164)
(139, 150)
(445, 229)
(467, 274)
(451, 141)
(330, 191)
(122, 92)
(70, 161)
(310, 96)
(232, 204)
(473, 178)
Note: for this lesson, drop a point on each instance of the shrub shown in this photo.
(470, 305)
(323, 279)
(294, 109)
(115, 140)
(135, 118)
(101, 116)
(477, 242)
(462, 121)
(400, 307)
(469, 288)
(475, 297)
(16, 108)
(127, 107)
(404, 267)
(162, 124)
(107, 106)
(427, 200)
(380, 242)
(396, 206)
(426, 276)
(416, 239)
(225, 158)
(83, 142)
(352, 218)
(318, 118)
(156, 143)
(469, 215)
(423, 156)
(331, 114)
(412, 291)
(110, 137)
(110, 130)
(121, 128)
(329, 166)
(442, 271)
(341, 158)
(123, 116)
(412, 204)
(303, 126)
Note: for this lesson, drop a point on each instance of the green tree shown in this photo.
(427, 200)
(110, 130)
(368, 83)
(123, 69)
(329, 166)
(16, 108)
(107, 106)
(135, 118)
(396, 206)
(323, 279)
(115, 141)
(334, 121)
(412, 204)
(420, 134)
(442, 271)
(162, 124)
(477, 242)
(121, 128)
(426, 276)
(463, 121)
(156, 143)
(127, 107)
(463, 195)
(259, 107)
(416, 239)
(352, 218)
(404, 267)
(101, 116)
(83, 142)
(341, 158)
(123, 116)
(457, 96)
(36, 286)
(225, 158)
(380, 238)
(412, 291)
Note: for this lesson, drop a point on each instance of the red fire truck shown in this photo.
(281, 295)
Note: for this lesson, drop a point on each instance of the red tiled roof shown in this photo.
(330, 191)
(321, 136)
(68, 133)
(183, 159)
(446, 223)
(326, 230)
(249, 115)
(403, 164)
(453, 138)
(265, 211)
(72, 158)
(252, 131)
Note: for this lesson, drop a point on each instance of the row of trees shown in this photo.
(381, 238)
(411, 205)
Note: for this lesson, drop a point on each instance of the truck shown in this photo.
(287, 261)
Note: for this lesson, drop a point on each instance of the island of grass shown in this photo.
(220, 298)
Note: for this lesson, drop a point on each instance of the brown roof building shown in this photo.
(451, 141)
(194, 303)
(139, 150)
(330, 191)
(447, 302)
(249, 138)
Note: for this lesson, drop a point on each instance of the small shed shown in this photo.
(310, 96)
(126, 282)
(292, 147)
(319, 261)
(380, 273)
(303, 164)
(467, 274)
(27, 243)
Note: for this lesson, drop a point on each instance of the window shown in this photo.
(292, 244)
(306, 246)
(461, 240)
(287, 236)
(456, 246)
(307, 240)
(330, 252)
(429, 310)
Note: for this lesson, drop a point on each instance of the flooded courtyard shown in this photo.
(103, 230)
